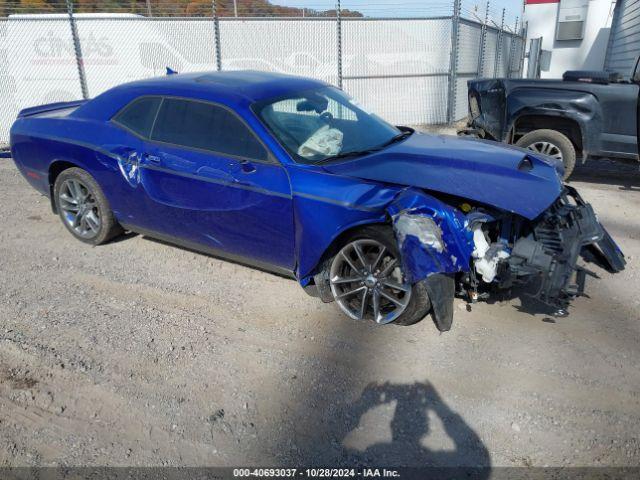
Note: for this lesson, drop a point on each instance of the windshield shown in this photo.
(319, 125)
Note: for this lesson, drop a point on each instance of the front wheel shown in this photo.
(553, 144)
(367, 281)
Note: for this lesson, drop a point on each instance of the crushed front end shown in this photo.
(543, 252)
(454, 245)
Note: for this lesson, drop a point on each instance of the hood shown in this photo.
(502, 176)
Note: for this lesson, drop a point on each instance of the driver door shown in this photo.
(208, 180)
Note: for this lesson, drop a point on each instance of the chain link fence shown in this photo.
(407, 70)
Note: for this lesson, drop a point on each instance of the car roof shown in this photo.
(233, 88)
(252, 85)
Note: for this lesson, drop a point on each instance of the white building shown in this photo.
(574, 34)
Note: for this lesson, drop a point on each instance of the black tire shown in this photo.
(419, 303)
(555, 138)
(108, 226)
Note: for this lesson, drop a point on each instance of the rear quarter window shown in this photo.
(138, 116)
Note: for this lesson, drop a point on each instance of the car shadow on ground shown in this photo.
(217, 257)
(415, 406)
(624, 173)
(125, 236)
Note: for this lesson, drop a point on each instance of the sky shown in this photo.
(408, 8)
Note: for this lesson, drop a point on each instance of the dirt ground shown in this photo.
(140, 353)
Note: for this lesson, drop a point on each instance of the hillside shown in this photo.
(199, 8)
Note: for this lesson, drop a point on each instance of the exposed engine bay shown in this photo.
(510, 251)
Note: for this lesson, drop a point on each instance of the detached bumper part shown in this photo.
(610, 253)
(441, 289)
(551, 251)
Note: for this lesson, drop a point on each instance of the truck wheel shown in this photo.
(553, 144)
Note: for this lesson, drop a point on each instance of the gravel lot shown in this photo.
(140, 353)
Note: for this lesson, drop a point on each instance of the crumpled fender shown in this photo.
(432, 236)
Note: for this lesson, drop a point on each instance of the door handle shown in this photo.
(247, 167)
(152, 158)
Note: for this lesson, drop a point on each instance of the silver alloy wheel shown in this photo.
(367, 283)
(80, 208)
(546, 148)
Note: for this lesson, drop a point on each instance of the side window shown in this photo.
(138, 116)
(205, 126)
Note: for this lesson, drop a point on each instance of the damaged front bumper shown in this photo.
(568, 230)
(441, 246)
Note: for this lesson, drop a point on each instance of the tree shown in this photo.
(162, 8)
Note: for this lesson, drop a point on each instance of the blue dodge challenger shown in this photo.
(293, 176)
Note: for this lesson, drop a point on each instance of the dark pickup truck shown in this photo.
(586, 114)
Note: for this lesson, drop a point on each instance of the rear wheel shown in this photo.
(367, 281)
(83, 208)
(553, 144)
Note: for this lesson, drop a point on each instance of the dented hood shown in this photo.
(477, 170)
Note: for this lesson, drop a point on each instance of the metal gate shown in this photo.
(624, 41)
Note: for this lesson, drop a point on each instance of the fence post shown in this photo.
(512, 49)
(453, 62)
(78, 51)
(339, 41)
(216, 32)
(499, 49)
(483, 37)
